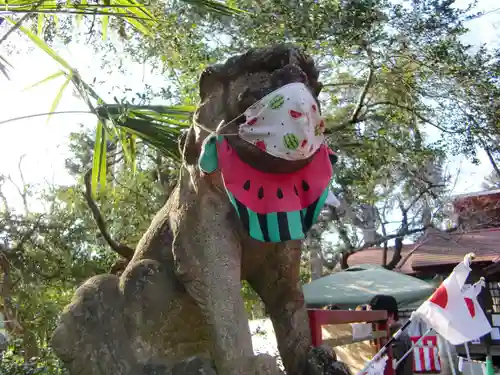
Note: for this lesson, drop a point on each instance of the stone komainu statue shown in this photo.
(177, 308)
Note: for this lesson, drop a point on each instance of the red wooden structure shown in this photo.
(318, 318)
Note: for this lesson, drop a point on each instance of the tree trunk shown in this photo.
(316, 263)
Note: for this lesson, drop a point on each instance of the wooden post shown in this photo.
(389, 367)
(318, 318)
(316, 333)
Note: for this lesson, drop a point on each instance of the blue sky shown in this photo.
(45, 144)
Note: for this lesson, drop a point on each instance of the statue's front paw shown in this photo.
(323, 361)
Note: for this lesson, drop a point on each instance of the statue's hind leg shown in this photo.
(275, 277)
(92, 338)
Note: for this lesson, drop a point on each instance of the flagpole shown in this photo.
(448, 353)
(489, 357)
(412, 347)
(382, 350)
(469, 359)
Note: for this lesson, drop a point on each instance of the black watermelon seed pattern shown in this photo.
(305, 186)
(260, 193)
(296, 191)
(279, 193)
(246, 185)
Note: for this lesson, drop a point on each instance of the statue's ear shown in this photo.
(207, 81)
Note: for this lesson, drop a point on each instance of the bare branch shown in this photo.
(338, 84)
(23, 192)
(384, 233)
(362, 96)
(412, 111)
(400, 234)
(410, 253)
(491, 159)
(396, 257)
(404, 214)
(124, 250)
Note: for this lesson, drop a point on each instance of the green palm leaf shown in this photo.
(133, 12)
(157, 126)
(4, 66)
(99, 165)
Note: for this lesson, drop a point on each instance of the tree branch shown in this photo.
(410, 253)
(411, 110)
(362, 97)
(389, 237)
(492, 160)
(355, 116)
(124, 250)
(396, 257)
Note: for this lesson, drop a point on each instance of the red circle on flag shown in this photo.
(440, 297)
(470, 305)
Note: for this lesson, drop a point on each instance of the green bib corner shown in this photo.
(208, 161)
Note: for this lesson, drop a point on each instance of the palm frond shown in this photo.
(4, 67)
(132, 11)
(157, 126)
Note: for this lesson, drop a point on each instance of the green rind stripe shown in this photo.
(233, 202)
(295, 225)
(294, 221)
(255, 229)
(272, 227)
(319, 205)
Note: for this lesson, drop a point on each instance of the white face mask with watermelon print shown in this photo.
(286, 123)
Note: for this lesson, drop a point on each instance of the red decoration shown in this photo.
(470, 306)
(295, 114)
(252, 121)
(261, 145)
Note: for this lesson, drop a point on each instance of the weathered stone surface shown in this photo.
(319, 362)
(179, 297)
(193, 366)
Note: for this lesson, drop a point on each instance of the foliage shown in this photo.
(401, 95)
(13, 363)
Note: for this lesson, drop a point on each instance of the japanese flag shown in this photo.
(453, 310)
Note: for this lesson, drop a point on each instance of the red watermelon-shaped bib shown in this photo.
(275, 207)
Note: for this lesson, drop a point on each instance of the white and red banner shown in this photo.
(453, 310)
(426, 355)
